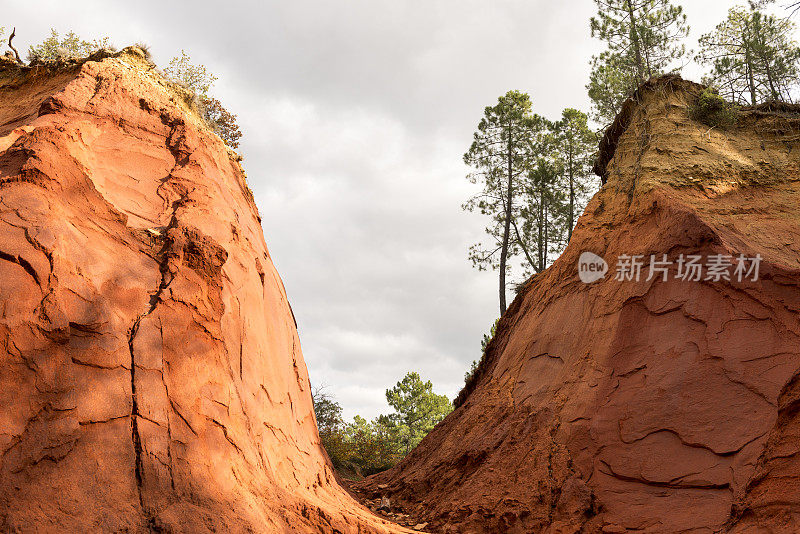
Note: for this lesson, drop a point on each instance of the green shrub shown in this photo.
(71, 45)
(362, 447)
(713, 110)
(198, 79)
(221, 121)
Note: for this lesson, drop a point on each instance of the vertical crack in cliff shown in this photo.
(166, 391)
(241, 344)
(135, 436)
(162, 257)
(166, 279)
(34, 242)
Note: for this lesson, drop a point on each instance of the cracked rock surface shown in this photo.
(650, 406)
(151, 377)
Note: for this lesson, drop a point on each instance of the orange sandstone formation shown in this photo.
(151, 375)
(649, 406)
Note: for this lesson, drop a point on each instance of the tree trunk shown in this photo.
(546, 240)
(772, 89)
(648, 67)
(571, 195)
(507, 229)
(762, 47)
(541, 225)
(748, 59)
(750, 79)
(637, 51)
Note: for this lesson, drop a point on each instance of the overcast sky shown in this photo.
(355, 117)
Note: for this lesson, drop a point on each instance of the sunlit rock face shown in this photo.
(151, 375)
(649, 405)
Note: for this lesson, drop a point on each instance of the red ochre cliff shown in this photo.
(151, 375)
(649, 406)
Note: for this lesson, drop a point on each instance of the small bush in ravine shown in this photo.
(360, 448)
(713, 110)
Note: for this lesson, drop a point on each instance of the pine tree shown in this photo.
(417, 409)
(545, 214)
(500, 156)
(643, 38)
(752, 56)
(559, 182)
(576, 145)
(536, 179)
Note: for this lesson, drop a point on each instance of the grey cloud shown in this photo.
(356, 114)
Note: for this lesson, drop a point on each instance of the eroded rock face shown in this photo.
(654, 406)
(151, 374)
